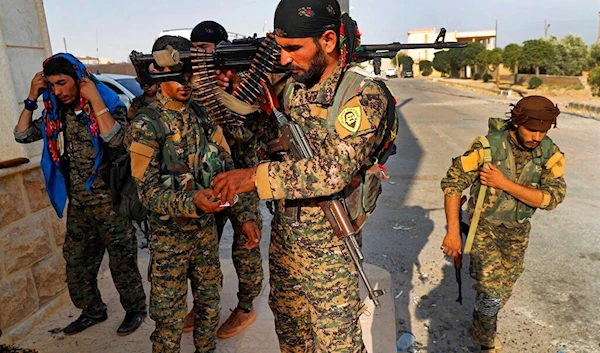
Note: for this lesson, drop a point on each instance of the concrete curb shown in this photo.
(582, 110)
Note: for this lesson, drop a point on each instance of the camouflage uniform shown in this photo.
(498, 252)
(247, 263)
(92, 225)
(314, 288)
(183, 240)
(136, 104)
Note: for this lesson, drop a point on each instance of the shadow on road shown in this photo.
(397, 232)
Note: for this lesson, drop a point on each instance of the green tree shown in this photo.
(448, 62)
(405, 61)
(573, 56)
(595, 55)
(512, 57)
(538, 53)
(425, 66)
(468, 55)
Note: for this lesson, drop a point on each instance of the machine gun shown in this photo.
(242, 54)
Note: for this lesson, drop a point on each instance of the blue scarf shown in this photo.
(51, 128)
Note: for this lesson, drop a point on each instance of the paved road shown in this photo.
(555, 304)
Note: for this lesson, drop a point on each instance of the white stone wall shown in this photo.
(32, 270)
(24, 44)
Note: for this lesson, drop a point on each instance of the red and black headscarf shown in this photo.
(312, 18)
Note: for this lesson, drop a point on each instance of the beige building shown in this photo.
(31, 236)
(87, 60)
(429, 35)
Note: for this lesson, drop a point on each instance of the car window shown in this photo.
(113, 87)
(131, 85)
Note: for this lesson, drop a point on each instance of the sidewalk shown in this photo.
(379, 330)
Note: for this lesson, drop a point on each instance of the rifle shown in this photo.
(464, 230)
(292, 139)
(241, 54)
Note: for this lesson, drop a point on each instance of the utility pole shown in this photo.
(97, 56)
(496, 34)
(598, 40)
(546, 26)
(65, 42)
(345, 6)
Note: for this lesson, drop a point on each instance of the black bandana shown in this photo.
(306, 18)
(210, 32)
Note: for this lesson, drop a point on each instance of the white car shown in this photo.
(124, 85)
(391, 72)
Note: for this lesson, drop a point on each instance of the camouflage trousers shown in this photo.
(91, 230)
(180, 252)
(314, 288)
(497, 262)
(247, 263)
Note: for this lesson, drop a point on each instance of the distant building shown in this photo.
(428, 35)
(88, 60)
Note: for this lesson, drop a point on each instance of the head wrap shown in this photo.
(535, 112)
(311, 18)
(51, 128)
(306, 18)
(210, 32)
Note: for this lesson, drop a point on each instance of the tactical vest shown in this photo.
(499, 207)
(175, 173)
(360, 196)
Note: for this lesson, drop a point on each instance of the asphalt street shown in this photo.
(555, 303)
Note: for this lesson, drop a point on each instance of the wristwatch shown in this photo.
(30, 105)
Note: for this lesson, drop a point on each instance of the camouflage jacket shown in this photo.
(187, 131)
(464, 173)
(78, 154)
(337, 157)
(136, 104)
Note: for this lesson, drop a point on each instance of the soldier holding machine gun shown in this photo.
(314, 290)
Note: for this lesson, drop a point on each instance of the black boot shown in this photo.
(131, 322)
(83, 322)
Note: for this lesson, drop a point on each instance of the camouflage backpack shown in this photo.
(125, 199)
(360, 197)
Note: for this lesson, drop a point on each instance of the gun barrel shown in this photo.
(373, 293)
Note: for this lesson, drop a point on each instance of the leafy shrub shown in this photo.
(486, 77)
(594, 80)
(535, 82)
(476, 76)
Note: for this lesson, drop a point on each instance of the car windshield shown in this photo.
(132, 85)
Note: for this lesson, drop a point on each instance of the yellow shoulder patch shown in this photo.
(352, 120)
(140, 159)
(219, 138)
(556, 164)
(472, 160)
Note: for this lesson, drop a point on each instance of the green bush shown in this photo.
(427, 72)
(594, 79)
(476, 76)
(535, 82)
(486, 77)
